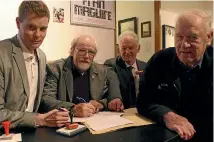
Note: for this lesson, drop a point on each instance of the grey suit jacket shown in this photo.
(104, 84)
(14, 86)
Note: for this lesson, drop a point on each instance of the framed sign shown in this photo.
(127, 24)
(146, 29)
(168, 36)
(93, 13)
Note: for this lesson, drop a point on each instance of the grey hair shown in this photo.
(75, 41)
(207, 20)
(130, 33)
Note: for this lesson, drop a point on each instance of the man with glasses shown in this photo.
(89, 86)
(128, 67)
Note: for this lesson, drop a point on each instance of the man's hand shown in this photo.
(98, 106)
(179, 124)
(84, 110)
(115, 105)
(53, 118)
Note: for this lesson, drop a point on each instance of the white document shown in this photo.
(11, 138)
(102, 113)
(105, 122)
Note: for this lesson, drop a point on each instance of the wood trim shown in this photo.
(115, 30)
(157, 6)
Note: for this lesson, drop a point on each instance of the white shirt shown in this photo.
(31, 63)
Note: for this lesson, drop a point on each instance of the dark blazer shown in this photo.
(124, 76)
(14, 86)
(161, 91)
(104, 84)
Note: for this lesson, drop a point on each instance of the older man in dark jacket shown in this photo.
(178, 82)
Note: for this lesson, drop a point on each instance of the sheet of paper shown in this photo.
(105, 122)
(130, 114)
(15, 138)
(102, 113)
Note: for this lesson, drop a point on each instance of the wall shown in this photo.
(173, 8)
(179, 6)
(59, 36)
(144, 11)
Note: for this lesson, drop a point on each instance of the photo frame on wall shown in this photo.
(168, 36)
(146, 29)
(127, 24)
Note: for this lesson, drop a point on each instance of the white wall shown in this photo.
(180, 6)
(59, 36)
(171, 9)
(144, 11)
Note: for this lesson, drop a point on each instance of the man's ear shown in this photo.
(138, 50)
(210, 37)
(18, 22)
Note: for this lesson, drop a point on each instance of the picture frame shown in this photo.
(146, 29)
(168, 36)
(127, 24)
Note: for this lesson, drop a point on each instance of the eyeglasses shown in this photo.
(83, 52)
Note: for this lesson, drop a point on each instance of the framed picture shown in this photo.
(58, 15)
(93, 13)
(168, 36)
(127, 24)
(146, 29)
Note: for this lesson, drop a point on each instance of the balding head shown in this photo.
(81, 38)
(196, 16)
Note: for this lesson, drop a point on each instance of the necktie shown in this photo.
(136, 78)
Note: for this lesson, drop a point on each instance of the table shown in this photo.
(149, 133)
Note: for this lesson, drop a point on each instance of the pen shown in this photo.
(81, 100)
(70, 114)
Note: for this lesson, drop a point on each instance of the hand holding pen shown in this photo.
(53, 118)
(83, 109)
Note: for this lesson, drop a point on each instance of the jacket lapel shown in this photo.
(19, 59)
(122, 72)
(68, 76)
(140, 66)
(95, 83)
(41, 79)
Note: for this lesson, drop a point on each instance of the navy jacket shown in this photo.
(162, 90)
(127, 87)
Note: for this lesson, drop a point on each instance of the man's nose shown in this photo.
(86, 54)
(37, 33)
(185, 43)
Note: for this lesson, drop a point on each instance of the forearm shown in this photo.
(50, 103)
(17, 118)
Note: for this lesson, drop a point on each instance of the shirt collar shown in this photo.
(26, 53)
(198, 64)
(134, 65)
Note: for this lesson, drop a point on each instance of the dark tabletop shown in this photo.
(149, 133)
